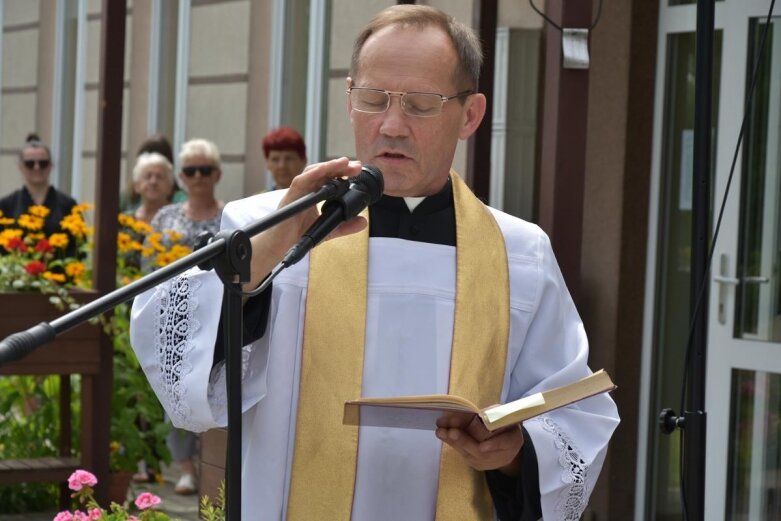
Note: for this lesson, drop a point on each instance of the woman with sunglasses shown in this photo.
(199, 174)
(35, 164)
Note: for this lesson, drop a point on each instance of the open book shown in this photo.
(423, 412)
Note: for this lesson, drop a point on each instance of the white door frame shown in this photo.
(724, 352)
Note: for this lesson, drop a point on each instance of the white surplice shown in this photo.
(409, 325)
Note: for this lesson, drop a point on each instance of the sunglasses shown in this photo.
(42, 163)
(205, 170)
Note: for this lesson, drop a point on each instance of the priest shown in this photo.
(430, 291)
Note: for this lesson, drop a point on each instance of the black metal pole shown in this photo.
(695, 416)
(232, 320)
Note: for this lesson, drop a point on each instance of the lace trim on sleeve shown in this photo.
(574, 498)
(176, 324)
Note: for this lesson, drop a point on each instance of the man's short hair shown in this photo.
(465, 41)
(284, 138)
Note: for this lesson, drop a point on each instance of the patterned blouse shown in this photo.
(173, 217)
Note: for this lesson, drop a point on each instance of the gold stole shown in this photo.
(325, 455)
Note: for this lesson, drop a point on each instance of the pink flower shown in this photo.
(132, 518)
(63, 516)
(95, 513)
(147, 500)
(80, 479)
(80, 516)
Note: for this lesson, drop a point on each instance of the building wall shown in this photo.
(615, 217)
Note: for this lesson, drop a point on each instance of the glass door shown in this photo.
(743, 480)
(744, 358)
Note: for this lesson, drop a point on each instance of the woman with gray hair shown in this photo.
(153, 181)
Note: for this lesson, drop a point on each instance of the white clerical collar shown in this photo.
(413, 202)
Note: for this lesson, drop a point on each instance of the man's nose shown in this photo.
(395, 122)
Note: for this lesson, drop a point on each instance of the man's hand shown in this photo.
(501, 451)
(269, 247)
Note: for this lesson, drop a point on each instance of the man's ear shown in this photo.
(472, 115)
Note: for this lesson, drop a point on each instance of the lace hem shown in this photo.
(574, 498)
(176, 325)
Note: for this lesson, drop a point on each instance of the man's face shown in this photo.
(414, 153)
(284, 165)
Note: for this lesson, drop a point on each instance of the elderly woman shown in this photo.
(35, 164)
(199, 174)
(153, 181)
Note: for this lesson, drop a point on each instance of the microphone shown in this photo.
(364, 189)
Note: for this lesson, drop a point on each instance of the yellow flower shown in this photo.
(147, 252)
(58, 240)
(154, 241)
(178, 251)
(125, 220)
(6, 221)
(123, 242)
(11, 233)
(30, 222)
(164, 259)
(114, 446)
(75, 270)
(55, 277)
(74, 224)
(136, 246)
(174, 235)
(39, 211)
(81, 208)
(142, 228)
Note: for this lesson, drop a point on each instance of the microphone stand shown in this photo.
(229, 253)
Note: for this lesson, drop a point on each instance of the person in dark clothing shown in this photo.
(35, 164)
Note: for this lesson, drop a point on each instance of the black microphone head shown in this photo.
(371, 180)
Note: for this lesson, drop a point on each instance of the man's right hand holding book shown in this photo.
(482, 449)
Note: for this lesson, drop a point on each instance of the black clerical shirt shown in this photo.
(432, 221)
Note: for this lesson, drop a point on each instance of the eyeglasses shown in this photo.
(418, 104)
(43, 164)
(205, 170)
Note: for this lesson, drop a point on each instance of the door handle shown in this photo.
(756, 280)
(722, 279)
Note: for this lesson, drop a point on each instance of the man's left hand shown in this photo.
(502, 451)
